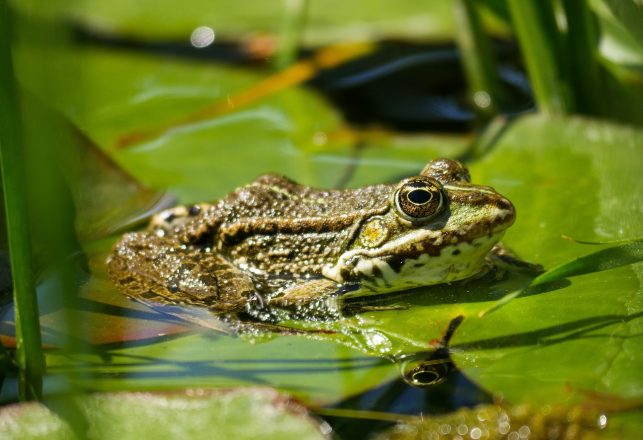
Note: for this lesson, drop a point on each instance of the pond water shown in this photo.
(158, 122)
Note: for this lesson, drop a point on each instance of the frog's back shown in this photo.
(272, 196)
(277, 225)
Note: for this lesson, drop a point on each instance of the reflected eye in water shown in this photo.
(426, 369)
(425, 372)
(419, 199)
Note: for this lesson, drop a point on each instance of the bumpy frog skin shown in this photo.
(278, 245)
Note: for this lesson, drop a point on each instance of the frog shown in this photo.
(275, 249)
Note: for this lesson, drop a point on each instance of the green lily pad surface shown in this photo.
(570, 339)
(193, 414)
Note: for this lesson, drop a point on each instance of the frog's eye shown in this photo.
(419, 198)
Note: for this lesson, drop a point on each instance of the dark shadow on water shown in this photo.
(403, 85)
(90, 305)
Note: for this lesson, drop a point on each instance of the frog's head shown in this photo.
(439, 228)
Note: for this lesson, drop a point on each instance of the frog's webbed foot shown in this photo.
(152, 268)
(502, 259)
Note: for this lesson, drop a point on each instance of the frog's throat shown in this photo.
(379, 273)
(420, 258)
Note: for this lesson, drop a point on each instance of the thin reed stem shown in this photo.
(28, 339)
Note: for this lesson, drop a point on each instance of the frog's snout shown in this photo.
(504, 213)
(503, 204)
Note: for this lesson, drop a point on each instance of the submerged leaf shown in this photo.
(314, 371)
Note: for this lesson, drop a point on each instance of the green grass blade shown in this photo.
(292, 30)
(540, 42)
(479, 66)
(28, 339)
(604, 259)
(582, 44)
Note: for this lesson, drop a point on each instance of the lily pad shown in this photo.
(566, 340)
(194, 414)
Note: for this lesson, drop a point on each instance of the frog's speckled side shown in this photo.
(277, 244)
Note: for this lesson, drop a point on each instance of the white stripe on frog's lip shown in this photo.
(347, 262)
(350, 259)
(377, 276)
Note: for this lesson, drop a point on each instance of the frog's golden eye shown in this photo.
(419, 198)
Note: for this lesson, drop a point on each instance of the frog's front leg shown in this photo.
(502, 259)
(315, 299)
(320, 299)
(149, 267)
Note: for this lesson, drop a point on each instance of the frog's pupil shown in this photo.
(419, 196)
